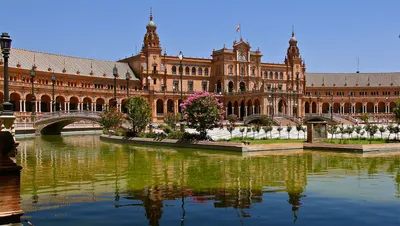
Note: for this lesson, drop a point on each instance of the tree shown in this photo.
(139, 114)
(332, 129)
(358, 129)
(390, 128)
(170, 119)
(232, 119)
(304, 131)
(279, 129)
(202, 111)
(365, 118)
(248, 130)
(230, 130)
(342, 130)
(254, 132)
(299, 127)
(288, 129)
(111, 119)
(266, 130)
(382, 129)
(396, 112)
(349, 131)
(242, 131)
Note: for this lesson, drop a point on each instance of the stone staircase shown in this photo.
(285, 121)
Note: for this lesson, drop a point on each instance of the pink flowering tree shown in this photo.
(202, 111)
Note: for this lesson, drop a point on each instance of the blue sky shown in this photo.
(331, 34)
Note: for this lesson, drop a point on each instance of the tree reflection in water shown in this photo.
(83, 169)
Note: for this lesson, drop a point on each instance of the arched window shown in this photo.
(206, 71)
(193, 71)
(271, 75)
(253, 71)
(230, 68)
(174, 70)
(265, 74)
(200, 71)
(281, 76)
(242, 71)
(276, 75)
(187, 71)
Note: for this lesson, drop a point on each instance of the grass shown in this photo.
(263, 141)
(355, 141)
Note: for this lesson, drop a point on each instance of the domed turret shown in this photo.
(151, 38)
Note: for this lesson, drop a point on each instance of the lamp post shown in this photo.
(173, 91)
(318, 99)
(181, 73)
(127, 77)
(387, 112)
(349, 94)
(5, 42)
(53, 80)
(331, 105)
(33, 74)
(115, 73)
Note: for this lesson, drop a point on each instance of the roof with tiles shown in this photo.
(24, 59)
(353, 79)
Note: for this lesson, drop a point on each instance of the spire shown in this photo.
(292, 31)
(151, 14)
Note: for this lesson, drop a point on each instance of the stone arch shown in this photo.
(306, 107)
(230, 86)
(193, 71)
(249, 106)
(235, 108)
(358, 107)
(160, 107)
(219, 87)
(242, 86)
(370, 107)
(15, 99)
(111, 103)
(257, 106)
(170, 106)
(381, 107)
(45, 103)
(325, 108)
(314, 107)
(392, 106)
(87, 103)
(336, 107)
(100, 104)
(347, 107)
(179, 106)
(73, 103)
(242, 108)
(282, 106)
(29, 102)
(229, 106)
(124, 103)
(60, 100)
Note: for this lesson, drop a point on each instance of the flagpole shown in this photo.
(240, 30)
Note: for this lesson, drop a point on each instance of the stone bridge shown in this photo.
(53, 123)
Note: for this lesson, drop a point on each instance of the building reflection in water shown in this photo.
(83, 169)
(10, 207)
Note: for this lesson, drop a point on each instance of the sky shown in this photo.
(331, 34)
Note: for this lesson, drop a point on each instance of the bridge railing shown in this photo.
(67, 113)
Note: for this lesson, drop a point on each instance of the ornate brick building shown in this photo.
(245, 84)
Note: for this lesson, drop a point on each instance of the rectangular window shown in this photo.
(190, 86)
(204, 85)
(176, 85)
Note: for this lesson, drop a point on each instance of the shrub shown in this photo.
(171, 119)
(167, 129)
(202, 111)
(111, 119)
(175, 135)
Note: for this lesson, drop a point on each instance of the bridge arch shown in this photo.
(53, 123)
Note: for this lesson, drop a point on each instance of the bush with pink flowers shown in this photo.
(202, 111)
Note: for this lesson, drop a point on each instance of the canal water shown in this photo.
(79, 180)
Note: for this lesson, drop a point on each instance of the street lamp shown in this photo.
(5, 42)
(181, 73)
(127, 76)
(318, 99)
(349, 103)
(33, 74)
(53, 80)
(115, 73)
(387, 112)
(173, 91)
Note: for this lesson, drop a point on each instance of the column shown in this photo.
(20, 105)
(68, 106)
(93, 107)
(226, 112)
(24, 105)
(78, 106)
(253, 107)
(102, 107)
(239, 111)
(65, 106)
(233, 110)
(51, 107)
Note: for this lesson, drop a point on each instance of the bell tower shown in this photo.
(295, 67)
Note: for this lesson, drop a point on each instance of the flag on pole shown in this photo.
(238, 28)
